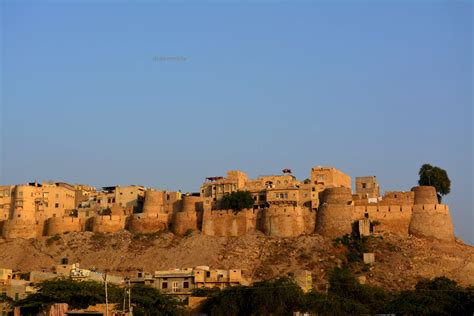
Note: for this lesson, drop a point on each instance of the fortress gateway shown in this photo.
(283, 206)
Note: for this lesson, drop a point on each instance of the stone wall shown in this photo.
(184, 221)
(335, 214)
(147, 223)
(433, 221)
(393, 218)
(228, 223)
(61, 225)
(106, 223)
(153, 202)
(192, 203)
(287, 221)
(425, 195)
(20, 228)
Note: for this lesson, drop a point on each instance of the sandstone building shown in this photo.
(283, 207)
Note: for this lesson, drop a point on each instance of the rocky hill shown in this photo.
(400, 262)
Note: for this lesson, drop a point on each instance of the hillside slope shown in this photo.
(400, 262)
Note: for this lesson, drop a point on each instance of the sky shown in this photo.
(164, 94)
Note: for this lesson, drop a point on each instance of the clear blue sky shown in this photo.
(370, 88)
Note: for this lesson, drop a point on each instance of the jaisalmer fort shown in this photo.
(178, 243)
(283, 206)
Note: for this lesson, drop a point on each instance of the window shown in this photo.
(56, 205)
(185, 285)
(364, 185)
(175, 286)
(167, 197)
(208, 274)
(164, 285)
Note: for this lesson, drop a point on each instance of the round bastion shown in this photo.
(430, 219)
(21, 228)
(425, 195)
(147, 223)
(153, 201)
(191, 203)
(334, 215)
(61, 225)
(184, 221)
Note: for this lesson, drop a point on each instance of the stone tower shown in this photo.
(430, 219)
(334, 216)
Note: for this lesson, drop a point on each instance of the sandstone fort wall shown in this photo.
(287, 221)
(432, 220)
(106, 223)
(184, 221)
(61, 225)
(228, 223)
(22, 228)
(334, 216)
(147, 223)
(392, 218)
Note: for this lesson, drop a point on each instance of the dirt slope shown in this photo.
(400, 262)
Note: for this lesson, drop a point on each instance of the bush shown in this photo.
(237, 201)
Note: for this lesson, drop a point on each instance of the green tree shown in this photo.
(440, 296)
(75, 294)
(237, 201)
(148, 301)
(275, 297)
(437, 177)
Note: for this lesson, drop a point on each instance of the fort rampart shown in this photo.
(61, 225)
(147, 223)
(415, 212)
(228, 222)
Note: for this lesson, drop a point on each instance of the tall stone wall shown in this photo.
(393, 218)
(147, 223)
(287, 221)
(228, 223)
(21, 228)
(425, 195)
(184, 221)
(61, 225)
(192, 203)
(153, 202)
(433, 221)
(107, 223)
(430, 219)
(334, 216)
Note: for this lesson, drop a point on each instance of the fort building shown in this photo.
(283, 207)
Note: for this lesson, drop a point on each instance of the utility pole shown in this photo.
(130, 308)
(106, 296)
